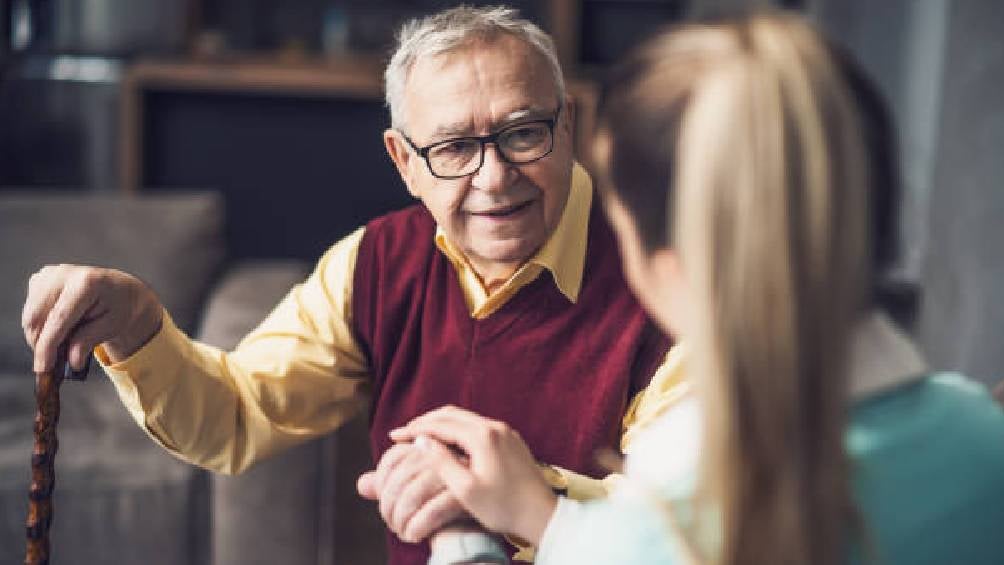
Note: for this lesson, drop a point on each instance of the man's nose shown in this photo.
(495, 172)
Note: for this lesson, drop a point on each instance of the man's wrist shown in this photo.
(145, 325)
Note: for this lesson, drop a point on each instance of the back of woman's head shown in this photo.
(739, 144)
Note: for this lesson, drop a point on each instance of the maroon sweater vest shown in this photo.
(559, 373)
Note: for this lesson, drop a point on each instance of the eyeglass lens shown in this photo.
(518, 144)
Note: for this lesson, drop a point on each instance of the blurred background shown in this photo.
(261, 119)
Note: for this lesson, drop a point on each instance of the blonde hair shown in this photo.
(769, 208)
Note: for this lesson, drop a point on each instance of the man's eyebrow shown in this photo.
(532, 113)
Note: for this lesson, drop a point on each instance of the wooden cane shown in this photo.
(43, 456)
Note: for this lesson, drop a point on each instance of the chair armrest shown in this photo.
(268, 514)
(299, 507)
(245, 295)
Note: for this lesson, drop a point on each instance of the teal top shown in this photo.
(928, 461)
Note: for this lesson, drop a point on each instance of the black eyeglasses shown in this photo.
(517, 144)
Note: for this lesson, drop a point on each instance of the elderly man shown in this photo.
(501, 293)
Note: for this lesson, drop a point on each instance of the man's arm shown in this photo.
(298, 375)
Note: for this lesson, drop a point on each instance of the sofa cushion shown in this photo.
(245, 295)
(119, 498)
(174, 242)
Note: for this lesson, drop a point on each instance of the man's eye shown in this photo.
(458, 147)
(526, 135)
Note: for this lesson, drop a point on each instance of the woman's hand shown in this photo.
(488, 468)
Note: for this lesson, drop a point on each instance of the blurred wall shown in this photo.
(940, 64)
(901, 44)
(962, 325)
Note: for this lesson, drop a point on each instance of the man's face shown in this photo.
(502, 214)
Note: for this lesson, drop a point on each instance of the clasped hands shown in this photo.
(452, 465)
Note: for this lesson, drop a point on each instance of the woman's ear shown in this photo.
(665, 265)
(673, 300)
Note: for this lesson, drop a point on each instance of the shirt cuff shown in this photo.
(136, 378)
(577, 486)
(467, 547)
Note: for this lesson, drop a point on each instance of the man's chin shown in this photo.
(506, 252)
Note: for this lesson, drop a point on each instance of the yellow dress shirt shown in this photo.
(300, 373)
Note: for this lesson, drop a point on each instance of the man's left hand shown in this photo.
(413, 500)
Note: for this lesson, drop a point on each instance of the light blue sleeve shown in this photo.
(615, 530)
(633, 524)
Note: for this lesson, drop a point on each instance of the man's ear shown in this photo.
(399, 152)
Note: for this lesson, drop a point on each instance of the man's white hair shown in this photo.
(453, 29)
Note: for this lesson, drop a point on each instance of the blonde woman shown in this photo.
(747, 172)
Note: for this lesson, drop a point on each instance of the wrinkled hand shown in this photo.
(85, 307)
(413, 500)
(497, 479)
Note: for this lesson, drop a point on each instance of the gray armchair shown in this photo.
(301, 506)
(119, 497)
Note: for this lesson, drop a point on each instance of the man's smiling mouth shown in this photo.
(505, 211)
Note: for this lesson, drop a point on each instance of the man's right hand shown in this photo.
(84, 307)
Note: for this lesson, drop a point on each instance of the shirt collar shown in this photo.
(564, 252)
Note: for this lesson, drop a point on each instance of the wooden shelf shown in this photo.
(355, 76)
(351, 77)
